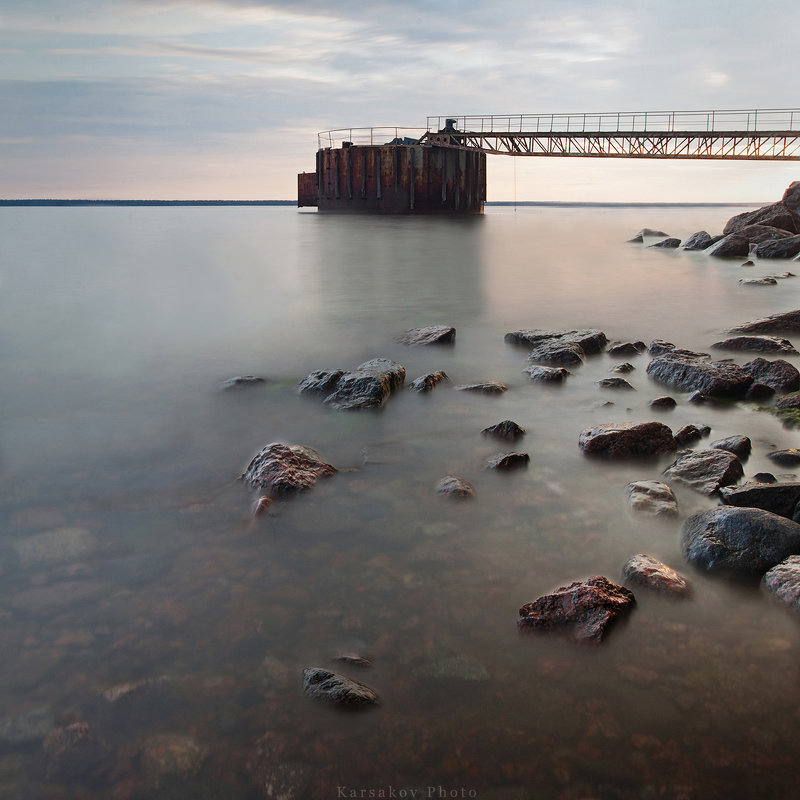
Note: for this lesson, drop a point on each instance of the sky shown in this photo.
(223, 99)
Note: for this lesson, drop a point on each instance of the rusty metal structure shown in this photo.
(442, 168)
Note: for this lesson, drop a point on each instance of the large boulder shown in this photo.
(688, 373)
(644, 570)
(782, 248)
(652, 498)
(368, 385)
(779, 498)
(779, 375)
(784, 322)
(584, 610)
(283, 469)
(330, 687)
(743, 540)
(432, 334)
(783, 580)
(777, 215)
(705, 470)
(757, 344)
(627, 439)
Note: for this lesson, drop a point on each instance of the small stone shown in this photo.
(626, 439)
(764, 477)
(329, 687)
(168, 756)
(786, 458)
(509, 461)
(241, 382)
(647, 571)
(453, 486)
(669, 244)
(691, 433)
(426, 383)
(507, 429)
(615, 383)
(488, 387)
(738, 445)
(664, 403)
(653, 498)
(432, 334)
(626, 348)
(623, 368)
(542, 374)
(261, 505)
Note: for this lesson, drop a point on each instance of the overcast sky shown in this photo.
(185, 99)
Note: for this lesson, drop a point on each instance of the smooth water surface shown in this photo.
(139, 595)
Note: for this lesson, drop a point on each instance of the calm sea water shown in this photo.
(139, 596)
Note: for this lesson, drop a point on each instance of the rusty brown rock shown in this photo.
(453, 486)
(627, 439)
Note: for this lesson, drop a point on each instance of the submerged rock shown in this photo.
(507, 429)
(647, 571)
(626, 439)
(759, 344)
(738, 445)
(427, 383)
(653, 498)
(508, 461)
(432, 334)
(453, 486)
(778, 497)
(558, 352)
(783, 581)
(744, 540)
(615, 383)
(705, 471)
(584, 610)
(171, 756)
(58, 546)
(286, 469)
(74, 752)
(29, 726)
(547, 374)
(329, 687)
(456, 667)
(241, 382)
(779, 375)
(690, 374)
(623, 368)
(488, 387)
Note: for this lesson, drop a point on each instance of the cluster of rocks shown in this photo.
(769, 232)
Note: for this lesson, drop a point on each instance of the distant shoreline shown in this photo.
(557, 203)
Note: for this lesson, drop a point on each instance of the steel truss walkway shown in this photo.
(763, 135)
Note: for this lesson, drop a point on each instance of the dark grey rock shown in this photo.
(286, 469)
(615, 383)
(627, 439)
(644, 570)
(508, 461)
(783, 580)
(652, 498)
(691, 433)
(779, 248)
(743, 540)
(759, 392)
(758, 344)
(639, 237)
(778, 498)
(786, 458)
(74, 752)
(738, 445)
(427, 383)
(622, 349)
(321, 381)
(26, 727)
(584, 610)
(368, 385)
(507, 429)
(542, 374)
(590, 340)
(658, 347)
(667, 244)
(557, 352)
(453, 486)
(779, 375)
(786, 322)
(329, 687)
(623, 368)
(759, 282)
(432, 334)
(790, 401)
(709, 377)
(777, 215)
(665, 403)
(241, 382)
(730, 246)
(488, 387)
(706, 470)
(699, 241)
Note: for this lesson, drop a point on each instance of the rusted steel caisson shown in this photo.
(398, 177)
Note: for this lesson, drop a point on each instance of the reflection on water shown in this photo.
(154, 633)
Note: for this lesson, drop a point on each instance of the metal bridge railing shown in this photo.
(369, 136)
(752, 121)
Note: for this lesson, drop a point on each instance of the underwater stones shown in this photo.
(758, 344)
(241, 382)
(57, 546)
(743, 540)
(652, 498)
(584, 610)
(627, 439)
(615, 383)
(171, 756)
(507, 429)
(779, 498)
(286, 469)
(644, 570)
(427, 383)
(779, 375)
(432, 334)
(329, 687)
(705, 470)
(691, 374)
(738, 445)
(783, 581)
(26, 727)
(55, 598)
(455, 667)
(74, 752)
(786, 322)
(624, 368)
(453, 486)
(487, 387)
(542, 374)
(505, 462)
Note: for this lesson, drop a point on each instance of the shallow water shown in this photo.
(118, 326)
